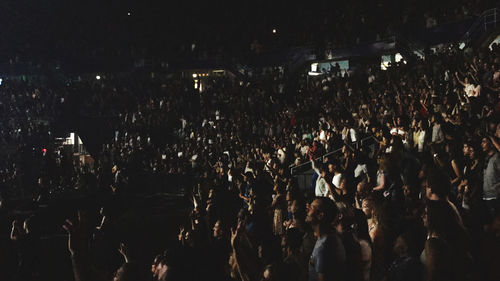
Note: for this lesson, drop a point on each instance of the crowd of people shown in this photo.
(419, 201)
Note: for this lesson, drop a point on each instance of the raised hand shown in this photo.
(78, 238)
(236, 234)
(123, 249)
(181, 234)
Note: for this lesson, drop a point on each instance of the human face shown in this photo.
(342, 184)
(424, 218)
(218, 230)
(400, 247)
(406, 190)
(330, 168)
(313, 212)
(323, 174)
(465, 149)
(485, 145)
(155, 267)
(428, 190)
(472, 153)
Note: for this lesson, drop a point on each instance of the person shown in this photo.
(364, 240)
(437, 188)
(378, 233)
(384, 176)
(322, 187)
(470, 89)
(294, 257)
(328, 256)
(27, 243)
(279, 207)
(336, 172)
(437, 137)
(220, 249)
(491, 178)
(446, 255)
(420, 137)
(405, 266)
(265, 262)
(85, 270)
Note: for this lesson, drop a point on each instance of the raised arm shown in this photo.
(78, 246)
(14, 233)
(381, 186)
(458, 79)
(495, 143)
(314, 166)
(248, 265)
(458, 173)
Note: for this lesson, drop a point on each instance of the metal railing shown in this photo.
(487, 20)
(356, 145)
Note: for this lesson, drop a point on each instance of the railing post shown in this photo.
(495, 17)
(485, 23)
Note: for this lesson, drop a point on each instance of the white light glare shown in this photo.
(98, 77)
(274, 30)
(311, 73)
(398, 57)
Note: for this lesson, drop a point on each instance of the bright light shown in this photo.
(274, 30)
(311, 73)
(384, 65)
(128, 14)
(461, 46)
(195, 75)
(1, 80)
(398, 57)
(98, 77)
(314, 67)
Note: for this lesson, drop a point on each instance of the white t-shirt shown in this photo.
(281, 155)
(421, 141)
(354, 135)
(470, 90)
(360, 169)
(336, 180)
(304, 150)
(321, 189)
(322, 135)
